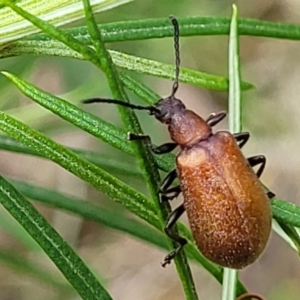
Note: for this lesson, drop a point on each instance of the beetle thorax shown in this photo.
(187, 128)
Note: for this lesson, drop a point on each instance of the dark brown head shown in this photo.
(185, 127)
(167, 108)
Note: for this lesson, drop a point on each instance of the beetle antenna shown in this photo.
(151, 109)
(177, 54)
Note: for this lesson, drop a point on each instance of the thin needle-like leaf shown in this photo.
(234, 117)
(54, 246)
(109, 185)
(121, 60)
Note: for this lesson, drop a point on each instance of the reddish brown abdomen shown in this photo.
(228, 210)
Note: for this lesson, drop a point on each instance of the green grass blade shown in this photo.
(99, 128)
(102, 160)
(124, 61)
(292, 233)
(234, 97)
(107, 132)
(89, 211)
(143, 155)
(54, 246)
(286, 212)
(59, 12)
(158, 69)
(189, 26)
(145, 158)
(109, 185)
(234, 119)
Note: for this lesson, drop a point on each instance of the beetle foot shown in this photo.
(172, 255)
(169, 258)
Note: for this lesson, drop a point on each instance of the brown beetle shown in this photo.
(228, 209)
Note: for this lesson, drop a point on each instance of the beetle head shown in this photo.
(166, 108)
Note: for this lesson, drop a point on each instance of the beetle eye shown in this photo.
(163, 115)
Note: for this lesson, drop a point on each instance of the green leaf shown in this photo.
(292, 233)
(109, 185)
(286, 212)
(102, 160)
(54, 246)
(89, 211)
(59, 12)
(99, 128)
(124, 61)
(234, 119)
(189, 26)
(234, 95)
(154, 68)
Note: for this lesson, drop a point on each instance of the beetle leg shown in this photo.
(215, 118)
(172, 219)
(170, 194)
(270, 195)
(168, 180)
(260, 159)
(164, 187)
(164, 148)
(242, 137)
(256, 160)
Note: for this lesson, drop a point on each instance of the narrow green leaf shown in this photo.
(281, 233)
(59, 12)
(99, 128)
(154, 68)
(55, 247)
(142, 153)
(107, 132)
(291, 232)
(145, 158)
(92, 212)
(286, 212)
(87, 52)
(109, 185)
(234, 101)
(189, 26)
(234, 119)
(102, 160)
(122, 60)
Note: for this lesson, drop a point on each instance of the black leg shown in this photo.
(242, 137)
(256, 160)
(166, 193)
(215, 118)
(168, 180)
(164, 148)
(170, 194)
(172, 219)
(270, 195)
